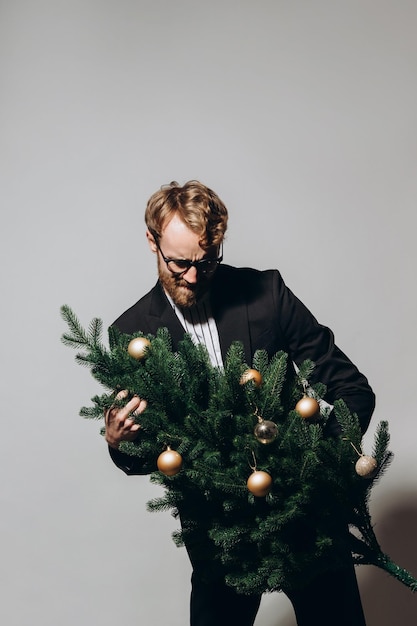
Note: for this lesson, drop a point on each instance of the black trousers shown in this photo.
(331, 600)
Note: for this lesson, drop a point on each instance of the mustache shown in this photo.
(182, 282)
(190, 286)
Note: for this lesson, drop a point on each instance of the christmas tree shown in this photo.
(242, 454)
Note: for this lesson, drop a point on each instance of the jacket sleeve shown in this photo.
(130, 465)
(307, 339)
(129, 323)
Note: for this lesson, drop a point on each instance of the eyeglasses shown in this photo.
(178, 267)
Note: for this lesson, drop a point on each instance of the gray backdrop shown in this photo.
(301, 115)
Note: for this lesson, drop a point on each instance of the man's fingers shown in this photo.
(140, 408)
(126, 415)
(134, 428)
(132, 405)
(119, 396)
(120, 421)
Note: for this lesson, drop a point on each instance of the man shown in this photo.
(218, 304)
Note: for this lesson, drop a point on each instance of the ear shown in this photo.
(151, 242)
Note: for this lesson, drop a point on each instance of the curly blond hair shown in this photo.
(197, 205)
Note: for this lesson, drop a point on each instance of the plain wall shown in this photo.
(302, 117)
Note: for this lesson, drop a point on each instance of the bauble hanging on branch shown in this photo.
(265, 431)
(308, 407)
(169, 462)
(259, 483)
(138, 347)
(366, 466)
(251, 375)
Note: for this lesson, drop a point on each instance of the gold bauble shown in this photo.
(266, 431)
(366, 466)
(253, 375)
(307, 407)
(169, 462)
(138, 347)
(259, 483)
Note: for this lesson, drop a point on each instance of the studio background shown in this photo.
(301, 116)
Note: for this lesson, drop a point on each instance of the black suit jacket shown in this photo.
(257, 308)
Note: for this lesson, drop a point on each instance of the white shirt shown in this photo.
(198, 322)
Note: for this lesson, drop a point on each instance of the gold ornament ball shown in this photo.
(138, 347)
(366, 466)
(266, 431)
(307, 407)
(169, 462)
(259, 483)
(251, 374)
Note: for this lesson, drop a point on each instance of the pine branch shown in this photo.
(274, 380)
(79, 336)
(305, 372)
(276, 542)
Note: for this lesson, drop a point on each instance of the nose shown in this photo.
(191, 275)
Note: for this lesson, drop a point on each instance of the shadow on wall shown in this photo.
(386, 601)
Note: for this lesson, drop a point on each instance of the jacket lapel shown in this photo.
(230, 313)
(162, 315)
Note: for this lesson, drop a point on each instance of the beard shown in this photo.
(183, 294)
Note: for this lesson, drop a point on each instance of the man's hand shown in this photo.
(120, 423)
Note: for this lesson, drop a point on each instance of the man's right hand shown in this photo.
(120, 422)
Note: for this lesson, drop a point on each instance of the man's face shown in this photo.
(179, 242)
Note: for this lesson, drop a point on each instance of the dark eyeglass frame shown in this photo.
(199, 265)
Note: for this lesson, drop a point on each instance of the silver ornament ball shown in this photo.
(266, 431)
